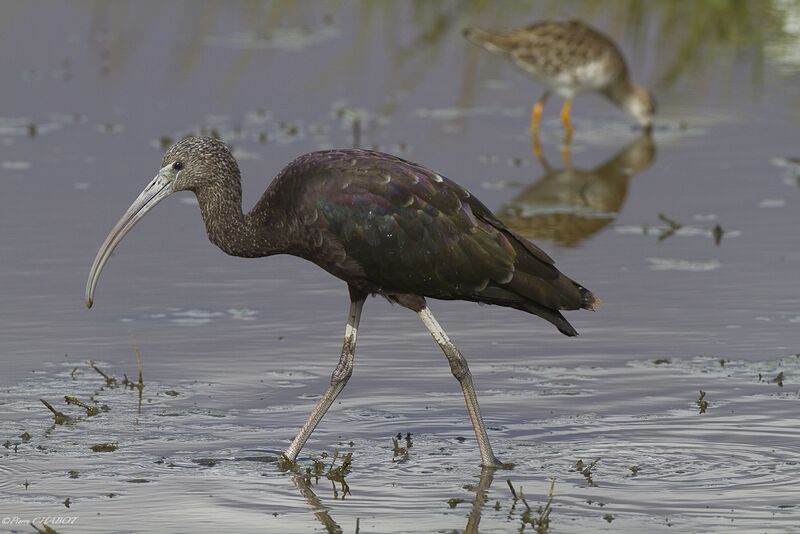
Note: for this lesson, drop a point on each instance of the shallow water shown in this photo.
(236, 351)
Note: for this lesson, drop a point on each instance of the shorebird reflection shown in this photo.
(568, 205)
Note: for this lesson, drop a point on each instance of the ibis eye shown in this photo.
(177, 165)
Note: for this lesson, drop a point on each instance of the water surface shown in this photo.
(236, 351)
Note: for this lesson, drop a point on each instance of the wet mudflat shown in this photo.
(674, 411)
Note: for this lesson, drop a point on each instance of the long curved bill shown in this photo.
(155, 192)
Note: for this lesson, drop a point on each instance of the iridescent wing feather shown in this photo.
(402, 229)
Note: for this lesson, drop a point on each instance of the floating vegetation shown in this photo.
(110, 380)
(311, 476)
(717, 232)
(284, 463)
(672, 227)
(290, 128)
(538, 519)
(452, 503)
(140, 383)
(586, 471)
(105, 447)
(8, 444)
(91, 407)
(702, 403)
(59, 417)
(634, 470)
(778, 379)
(90, 410)
(400, 453)
(336, 473)
(771, 371)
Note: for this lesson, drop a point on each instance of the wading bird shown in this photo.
(570, 58)
(384, 225)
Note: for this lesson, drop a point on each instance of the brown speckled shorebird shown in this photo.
(570, 58)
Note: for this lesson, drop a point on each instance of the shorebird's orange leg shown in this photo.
(565, 120)
(536, 119)
(536, 112)
(536, 116)
(536, 145)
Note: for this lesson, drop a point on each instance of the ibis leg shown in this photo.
(341, 374)
(460, 370)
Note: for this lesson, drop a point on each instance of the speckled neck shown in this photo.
(620, 92)
(248, 235)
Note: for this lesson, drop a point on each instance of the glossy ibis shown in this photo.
(384, 225)
(570, 58)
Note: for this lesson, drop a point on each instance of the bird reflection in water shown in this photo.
(568, 205)
(321, 512)
(481, 498)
